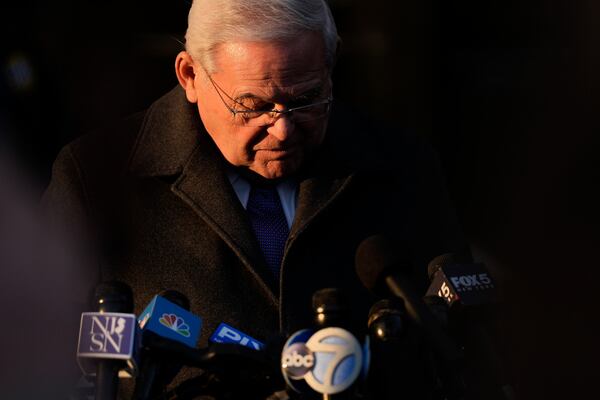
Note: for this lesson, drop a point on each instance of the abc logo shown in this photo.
(297, 360)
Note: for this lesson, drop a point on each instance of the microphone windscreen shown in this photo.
(392, 305)
(176, 297)
(113, 296)
(328, 300)
(438, 262)
(375, 257)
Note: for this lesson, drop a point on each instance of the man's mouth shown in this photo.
(279, 152)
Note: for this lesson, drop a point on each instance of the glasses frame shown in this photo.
(274, 113)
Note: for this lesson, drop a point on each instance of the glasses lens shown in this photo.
(249, 118)
(264, 118)
(310, 113)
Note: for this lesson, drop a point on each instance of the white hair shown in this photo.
(213, 22)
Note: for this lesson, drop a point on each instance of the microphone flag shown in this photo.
(328, 361)
(108, 336)
(170, 321)
(468, 284)
(228, 334)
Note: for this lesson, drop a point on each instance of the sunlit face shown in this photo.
(267, 75)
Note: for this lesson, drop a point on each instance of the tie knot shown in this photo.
(265, 198)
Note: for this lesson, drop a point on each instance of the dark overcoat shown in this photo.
(153, 192)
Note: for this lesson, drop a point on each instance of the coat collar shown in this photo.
(167, 137)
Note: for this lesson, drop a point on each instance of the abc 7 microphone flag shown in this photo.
(328, 361)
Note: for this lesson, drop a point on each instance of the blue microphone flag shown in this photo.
(228, 334)
(170, 321)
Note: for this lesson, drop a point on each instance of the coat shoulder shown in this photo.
(109, 147)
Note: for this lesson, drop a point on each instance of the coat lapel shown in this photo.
(204, 186)
(173, 142)
(321, 186)
(314, 196)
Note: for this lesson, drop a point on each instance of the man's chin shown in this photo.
(277, 169)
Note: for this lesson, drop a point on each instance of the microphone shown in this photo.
(168, 316)
(107, 337)
(380, 269)
(386, 320)
(471, 295)
(328, 359)
(400, 359)
(329, 308)
(383, 270)
(169, 336)
(228, 368)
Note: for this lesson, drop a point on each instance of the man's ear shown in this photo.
(186, 75)
(338, 51)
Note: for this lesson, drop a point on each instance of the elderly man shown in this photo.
(242, 188)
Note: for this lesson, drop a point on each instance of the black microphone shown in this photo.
(383, 270)
(386, 320)
(330, 308)
(156, 372)
(401, 360)
(228, 369)
(471, 295)
(386, 326)
(111, 297)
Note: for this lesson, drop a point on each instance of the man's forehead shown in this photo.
(280, 63)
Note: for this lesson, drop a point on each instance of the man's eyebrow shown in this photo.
(313, 91)
(247, 95)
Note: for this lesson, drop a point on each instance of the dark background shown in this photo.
(506, 90)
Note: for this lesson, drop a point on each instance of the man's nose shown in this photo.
(282, 128)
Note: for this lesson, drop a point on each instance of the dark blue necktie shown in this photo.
(269, 225)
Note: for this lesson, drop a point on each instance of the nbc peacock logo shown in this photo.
(175, 323)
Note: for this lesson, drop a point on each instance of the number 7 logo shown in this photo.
(338, 360)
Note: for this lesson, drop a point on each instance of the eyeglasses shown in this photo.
(258, 115)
